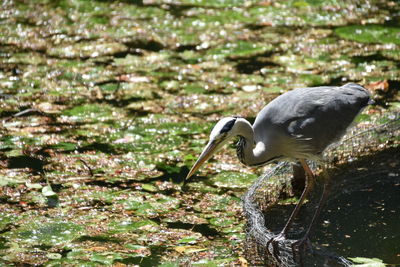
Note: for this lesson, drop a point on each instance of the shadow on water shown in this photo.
(203, 229)
(154, 260)
(26, 162)
(99, 238)
(171, 173)
(361, 218)
(103, 147)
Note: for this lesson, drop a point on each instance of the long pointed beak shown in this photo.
(208, 151)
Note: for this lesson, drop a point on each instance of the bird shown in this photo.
(296, 126)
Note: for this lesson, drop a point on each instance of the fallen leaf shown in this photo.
(379, 85)
(188, 249)
(98, 249)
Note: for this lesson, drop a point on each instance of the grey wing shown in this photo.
(315, 116)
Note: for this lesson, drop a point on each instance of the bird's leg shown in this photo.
(325, 194)
(302, 243)
(308, 186)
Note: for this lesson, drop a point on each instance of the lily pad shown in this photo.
(149, 188)
(87, 50)
(88, 112)
(367, 262)
(222, 222)
(106, 258)
(370, 33)
(238, 49)
(50, 234)
(47, 191)
(233, 180)
(213, 263)
(159, 204)
(137, 250)
(189, 239)
(132, 226)
(4, 180)
(6, 220)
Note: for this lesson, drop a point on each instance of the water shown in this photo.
(364, 222)
(122, 95)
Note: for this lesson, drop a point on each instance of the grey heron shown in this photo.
(297, 125)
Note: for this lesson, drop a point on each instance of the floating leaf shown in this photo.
(86, 50)
(48, 191)
(106, 258)
(149, 187)
(52, 233)
(189, 239)
(221, 222)
(54, 256)
(233, 180)
(6, 220)
(370, 33)
(10, 180)
(33, 186)
(367, 262)
(170, 264)
(130, 226)
(138, 251)
(188, 249)
(213, 263)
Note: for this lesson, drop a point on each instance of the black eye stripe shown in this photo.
(228, 126)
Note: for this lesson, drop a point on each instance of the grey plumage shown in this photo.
(297, 125)
(303, 122)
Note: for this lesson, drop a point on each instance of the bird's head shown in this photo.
(220, 135)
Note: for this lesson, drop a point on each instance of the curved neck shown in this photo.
(248, 151)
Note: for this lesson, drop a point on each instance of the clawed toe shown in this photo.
(275, 245)
(299, 247)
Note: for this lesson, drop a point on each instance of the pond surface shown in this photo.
(361, 217)
(369, 229)
(105, 106)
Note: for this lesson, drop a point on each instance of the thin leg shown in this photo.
(301, 244)
(325, 193)
(308, 187)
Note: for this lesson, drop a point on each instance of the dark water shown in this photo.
(365, 222)
(360, 219)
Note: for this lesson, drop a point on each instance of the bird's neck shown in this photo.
(249, 151)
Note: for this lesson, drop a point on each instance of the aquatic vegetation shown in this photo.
(106, 104)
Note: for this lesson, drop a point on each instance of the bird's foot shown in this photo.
(275, 246)
(300, 247)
